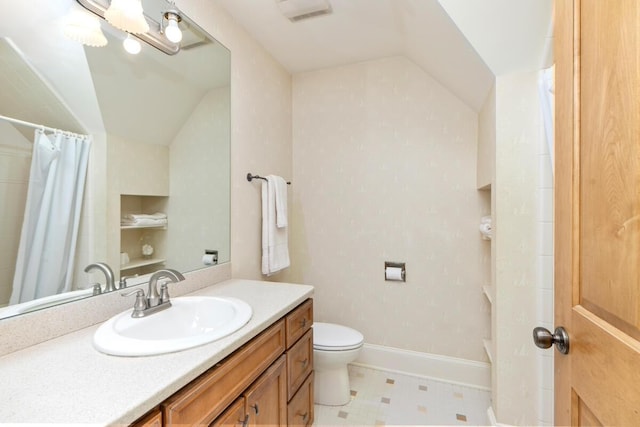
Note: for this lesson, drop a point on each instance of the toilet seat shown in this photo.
(332, 337)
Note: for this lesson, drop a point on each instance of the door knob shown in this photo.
(543, 338)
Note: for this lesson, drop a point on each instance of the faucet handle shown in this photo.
(97, 289)
(123, 281)
(141, 302)
(164, 293)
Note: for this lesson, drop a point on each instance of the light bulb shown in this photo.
(172, 31)
(132, 45)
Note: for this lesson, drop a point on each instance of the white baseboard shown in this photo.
(443, 368)
(491, 416)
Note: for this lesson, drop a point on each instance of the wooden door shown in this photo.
(266, 399)
(597, 236)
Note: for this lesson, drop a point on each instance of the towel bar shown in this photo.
(251, 177)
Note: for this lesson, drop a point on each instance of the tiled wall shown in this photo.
(516, 274)
(545, 282)
(385, 170)
(15, 162)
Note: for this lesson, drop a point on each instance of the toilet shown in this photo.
(334, 346)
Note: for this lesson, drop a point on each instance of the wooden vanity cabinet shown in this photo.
(264, 403)
(268, 381)
(300, 364)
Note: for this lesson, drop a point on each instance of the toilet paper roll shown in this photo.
(393, 273)
(209, 259)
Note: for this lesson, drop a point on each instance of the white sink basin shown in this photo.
(189, 322)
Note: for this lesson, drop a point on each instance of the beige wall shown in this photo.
(199, 171)
(516, 217)
(260, 129)
(385, 170)
(125, 177)
(487, 140)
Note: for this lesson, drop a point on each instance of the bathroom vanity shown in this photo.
(261, 374)
(268, 381)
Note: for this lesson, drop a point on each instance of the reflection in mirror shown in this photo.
(157, 185)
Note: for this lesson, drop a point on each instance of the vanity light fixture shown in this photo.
(154, 36)
(83, 27)
(132, 45)
(171, 30)
(127, 15)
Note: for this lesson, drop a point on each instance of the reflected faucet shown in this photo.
(108, 274)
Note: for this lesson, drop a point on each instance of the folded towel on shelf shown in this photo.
(275, 244)
(156, 219)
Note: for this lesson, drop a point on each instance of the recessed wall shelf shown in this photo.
(131, 227)
(134, 237)
(141, 262)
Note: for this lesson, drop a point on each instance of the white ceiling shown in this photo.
(461, 43)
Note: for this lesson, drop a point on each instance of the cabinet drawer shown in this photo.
(300, 409)
(299, 363)
(207, 396)
(299, 321)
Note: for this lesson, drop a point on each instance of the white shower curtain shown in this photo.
(52, 216)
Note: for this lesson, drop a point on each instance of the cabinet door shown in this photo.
(300, 409)
(266, 399)
(233, 416)
(151, 419)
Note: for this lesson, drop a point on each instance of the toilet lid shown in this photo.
(332, 337)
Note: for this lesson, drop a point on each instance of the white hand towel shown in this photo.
(275, 249)
(280, 186)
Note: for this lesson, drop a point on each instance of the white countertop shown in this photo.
(67, 381)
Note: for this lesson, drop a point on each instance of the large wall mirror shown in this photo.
(160, 130)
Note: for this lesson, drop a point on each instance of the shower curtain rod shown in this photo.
(41, 127)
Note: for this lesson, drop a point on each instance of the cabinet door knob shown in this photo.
(304, 362)
(303, 322)
(245, 423)
(305, 417)
(255, 408)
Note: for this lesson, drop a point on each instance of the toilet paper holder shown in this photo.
(210, 257)
(395, 271)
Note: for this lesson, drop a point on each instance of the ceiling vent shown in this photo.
(297, 10)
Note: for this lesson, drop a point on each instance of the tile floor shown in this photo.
(380, 398)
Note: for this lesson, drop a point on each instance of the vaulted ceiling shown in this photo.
(461, 43)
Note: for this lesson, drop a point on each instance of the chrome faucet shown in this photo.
(108, 274)
(153, 297)
(154, 301)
